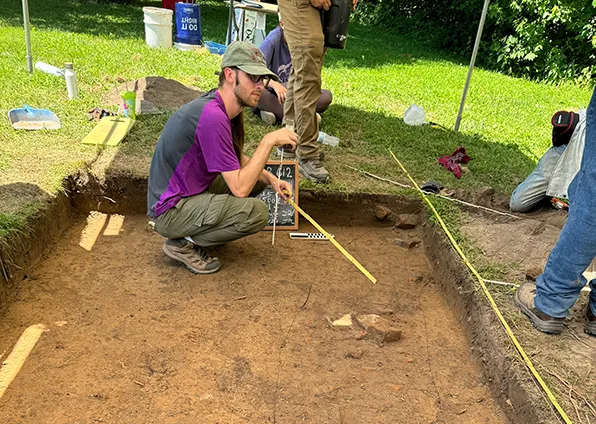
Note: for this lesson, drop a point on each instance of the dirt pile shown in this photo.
(154, 95)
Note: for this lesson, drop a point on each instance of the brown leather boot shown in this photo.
(524, 300)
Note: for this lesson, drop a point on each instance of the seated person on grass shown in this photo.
(559, 165)
(277, 56)
(201, 184)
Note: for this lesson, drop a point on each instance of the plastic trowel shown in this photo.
(29, 118)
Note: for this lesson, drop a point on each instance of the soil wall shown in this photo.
(510, 381)
(21, 251)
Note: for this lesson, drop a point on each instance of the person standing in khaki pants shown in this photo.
(304, 35)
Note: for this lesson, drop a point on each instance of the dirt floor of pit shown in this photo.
(133, 337)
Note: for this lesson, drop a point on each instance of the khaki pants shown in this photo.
(304, 34)
(214, 216)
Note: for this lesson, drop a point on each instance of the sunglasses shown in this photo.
(257, 78)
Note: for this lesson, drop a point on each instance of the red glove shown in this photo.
(453, 162)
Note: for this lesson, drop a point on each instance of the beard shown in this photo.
(244, 97)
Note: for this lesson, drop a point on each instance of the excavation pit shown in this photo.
(134, 337)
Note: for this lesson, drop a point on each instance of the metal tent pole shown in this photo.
(27, 36)
(231, 21)
(472, 62)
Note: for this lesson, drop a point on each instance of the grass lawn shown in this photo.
(505, 125)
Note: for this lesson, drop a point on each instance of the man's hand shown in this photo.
(280, 90)
(284, 189)
(324, 4)
(354, 3)
(281, 137)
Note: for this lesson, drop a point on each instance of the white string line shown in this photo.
(279, 170)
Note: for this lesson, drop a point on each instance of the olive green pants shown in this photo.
(214, 216)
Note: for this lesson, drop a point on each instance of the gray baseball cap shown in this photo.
(247, 57)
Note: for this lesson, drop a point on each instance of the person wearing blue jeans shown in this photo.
(547, 303)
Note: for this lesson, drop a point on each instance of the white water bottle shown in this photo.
(327, 139)
(71, 81)
(49, 69)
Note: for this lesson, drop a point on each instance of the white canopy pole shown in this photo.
(27, 37)
(471, 67)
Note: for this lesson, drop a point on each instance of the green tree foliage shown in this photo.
(549, 40)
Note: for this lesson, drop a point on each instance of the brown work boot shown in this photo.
(192, 256)
(313, 170)
(591, 324)
(524, 300)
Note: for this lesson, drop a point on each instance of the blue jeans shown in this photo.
(559, 286)
(533, 189)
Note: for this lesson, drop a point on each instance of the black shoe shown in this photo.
(524, 299)
(591, 324)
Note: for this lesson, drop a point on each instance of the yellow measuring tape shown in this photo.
(332, 240)
(521, 351)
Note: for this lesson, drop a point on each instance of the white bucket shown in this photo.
(158, 27)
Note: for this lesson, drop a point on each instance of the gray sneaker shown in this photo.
(192, 256)
(268, 117)
(313, 170)
(524, 300)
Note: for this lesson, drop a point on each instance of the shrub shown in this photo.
(549, 40)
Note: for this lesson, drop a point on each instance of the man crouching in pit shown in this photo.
(201, 185)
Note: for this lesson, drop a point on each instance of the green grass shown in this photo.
(505, 125)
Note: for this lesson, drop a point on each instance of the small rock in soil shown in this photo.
(361, 335)
(354, 355)
(382, 212)
(385, 311)
(407, 244)
(379, 328)
(345, 321)
(407, 221)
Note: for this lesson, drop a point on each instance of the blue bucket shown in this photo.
(188, 24)
(215, 48)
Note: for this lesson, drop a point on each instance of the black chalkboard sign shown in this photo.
(287, 216)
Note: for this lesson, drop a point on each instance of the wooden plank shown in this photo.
(13, 364)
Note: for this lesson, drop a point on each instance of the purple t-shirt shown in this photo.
(277, 54)
(195, 147)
